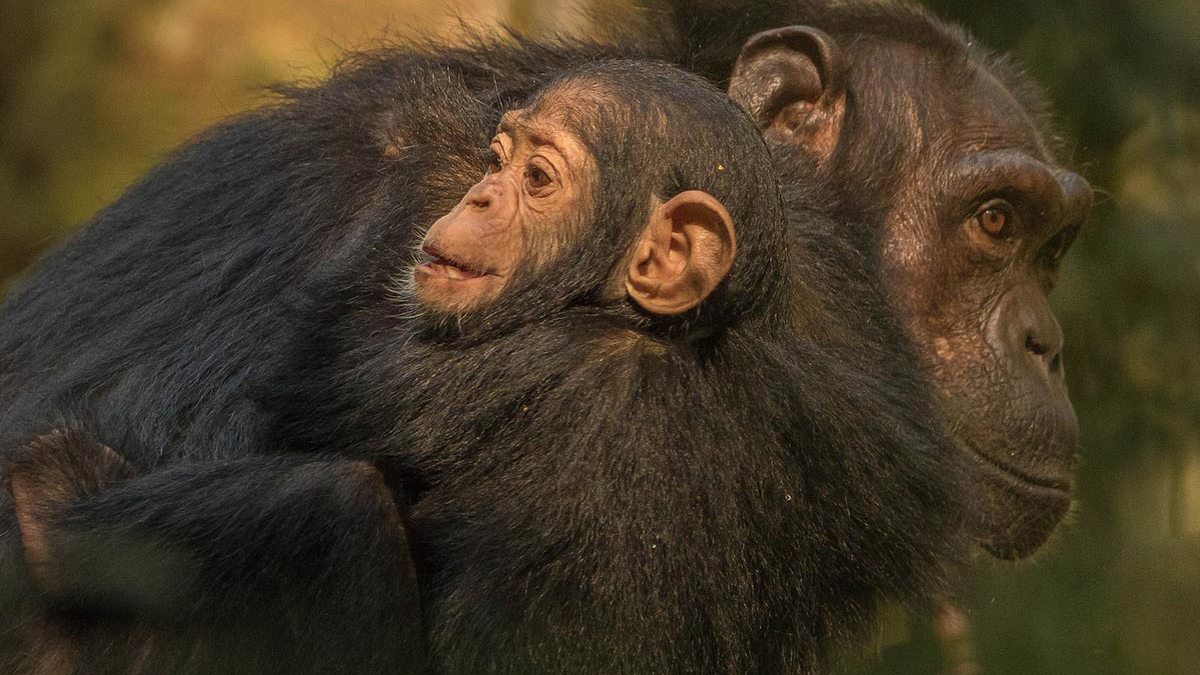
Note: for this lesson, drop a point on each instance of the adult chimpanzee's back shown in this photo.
(167, 310)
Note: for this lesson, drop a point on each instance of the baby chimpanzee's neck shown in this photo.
(580, 364)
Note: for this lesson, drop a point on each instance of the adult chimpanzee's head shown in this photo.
(619, 185)
(942, 147)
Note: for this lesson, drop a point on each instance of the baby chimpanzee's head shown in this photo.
(623, 184)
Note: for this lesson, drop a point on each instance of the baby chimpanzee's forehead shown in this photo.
(525, 128)
(590, 104)
(527, 122)
(575, 93)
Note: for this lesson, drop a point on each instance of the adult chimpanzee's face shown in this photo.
(511, 220)
(972, 249)
(978, 218)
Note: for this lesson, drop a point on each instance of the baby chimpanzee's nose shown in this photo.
(484, 194)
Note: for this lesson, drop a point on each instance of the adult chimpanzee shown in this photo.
(629, 456)
(168, 315)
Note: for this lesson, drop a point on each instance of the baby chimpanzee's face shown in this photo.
(514, 219)
(540, 197)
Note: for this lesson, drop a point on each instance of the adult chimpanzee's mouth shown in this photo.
(1016, 510)
(444, 267)
(1015, 473)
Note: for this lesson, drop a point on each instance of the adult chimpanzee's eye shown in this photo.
(996, 218)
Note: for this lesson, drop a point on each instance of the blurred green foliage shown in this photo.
(92, 92)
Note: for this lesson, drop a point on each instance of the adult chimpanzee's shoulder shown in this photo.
(893, 466)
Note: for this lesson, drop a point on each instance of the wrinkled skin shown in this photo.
(978, 304)
(512, 216)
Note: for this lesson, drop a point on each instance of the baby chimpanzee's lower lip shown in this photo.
(444, 269)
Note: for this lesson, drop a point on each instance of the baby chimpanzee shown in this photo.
(614, 452)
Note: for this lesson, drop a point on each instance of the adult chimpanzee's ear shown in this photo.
(684, 252)
(792, 82)
(49, 473)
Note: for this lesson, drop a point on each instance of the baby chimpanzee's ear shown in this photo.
(49, 473)
(686, 249)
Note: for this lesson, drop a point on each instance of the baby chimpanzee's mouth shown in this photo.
(441, 265)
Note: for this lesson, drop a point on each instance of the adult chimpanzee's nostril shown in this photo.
(1048, 357)
(1034, 346)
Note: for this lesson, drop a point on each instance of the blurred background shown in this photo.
(93, 92)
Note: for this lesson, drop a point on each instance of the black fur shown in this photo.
(169, 322)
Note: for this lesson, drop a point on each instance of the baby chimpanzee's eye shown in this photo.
(536, 179)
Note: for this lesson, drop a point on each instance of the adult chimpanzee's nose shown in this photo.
(1043, 344)
(1023, 326)
(483, 194)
